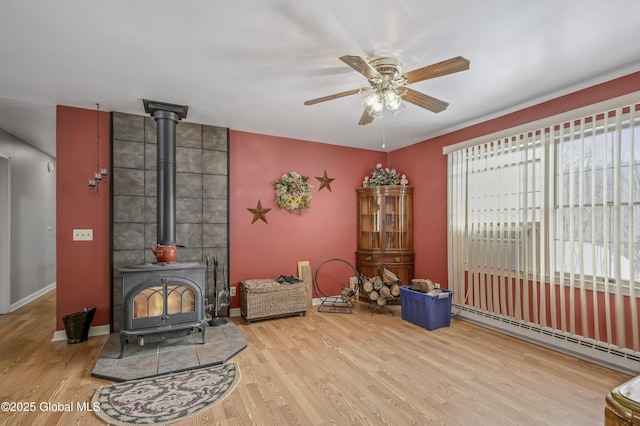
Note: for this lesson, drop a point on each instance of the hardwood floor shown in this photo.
(330, 369)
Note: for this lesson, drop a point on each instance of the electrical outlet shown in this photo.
(232, 291)
(83, 235)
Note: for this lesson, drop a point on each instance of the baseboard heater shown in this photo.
(621, 359)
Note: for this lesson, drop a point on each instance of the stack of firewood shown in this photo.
(382, 290)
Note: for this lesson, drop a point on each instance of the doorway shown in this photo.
(5, 236)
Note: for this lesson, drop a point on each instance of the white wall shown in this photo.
(32, 220)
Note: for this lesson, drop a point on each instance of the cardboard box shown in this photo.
(428, 311)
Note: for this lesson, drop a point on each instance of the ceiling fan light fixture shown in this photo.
(392, 100)
(377, 115)
(371, 100)
(377, 107)
(399, 109)
(375, 110)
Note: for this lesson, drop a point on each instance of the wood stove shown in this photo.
(165, 299)
(162, 301)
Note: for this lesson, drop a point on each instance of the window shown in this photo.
(597, 209)
(544, 226)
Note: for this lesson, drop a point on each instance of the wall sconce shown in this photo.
(101, 175)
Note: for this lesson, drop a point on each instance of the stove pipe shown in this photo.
(166, 177)
(166, 116)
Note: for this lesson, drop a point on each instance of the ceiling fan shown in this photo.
(388, 85)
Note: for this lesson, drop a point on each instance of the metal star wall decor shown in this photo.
(259, 213)
(325, 182)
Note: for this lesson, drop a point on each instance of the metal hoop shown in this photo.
(336, 304)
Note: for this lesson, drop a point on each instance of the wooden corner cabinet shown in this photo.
(385, 231)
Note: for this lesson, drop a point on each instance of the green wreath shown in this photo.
(293, 192)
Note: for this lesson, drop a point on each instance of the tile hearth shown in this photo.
(152, 359)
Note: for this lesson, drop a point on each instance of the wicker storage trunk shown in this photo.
(267, 298)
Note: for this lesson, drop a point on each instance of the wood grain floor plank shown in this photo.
(331, 369)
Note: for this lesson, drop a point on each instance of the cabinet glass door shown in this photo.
(370, 222)
(395, 222)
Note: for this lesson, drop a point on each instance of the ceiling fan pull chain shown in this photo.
(384, 135)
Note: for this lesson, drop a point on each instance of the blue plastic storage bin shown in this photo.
(428, 311)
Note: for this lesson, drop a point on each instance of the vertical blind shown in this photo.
(544, 226)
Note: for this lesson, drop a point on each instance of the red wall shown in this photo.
(426, 167)
(82, 271)
(327, 230)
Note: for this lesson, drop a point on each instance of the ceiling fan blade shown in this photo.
(337, 95)
(424, 101)
(362, 66)
(365, 119)
(449, 66)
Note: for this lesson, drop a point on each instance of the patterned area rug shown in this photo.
(165, 399)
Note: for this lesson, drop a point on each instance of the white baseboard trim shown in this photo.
(607, 355)
(99, 330)
(20, 303)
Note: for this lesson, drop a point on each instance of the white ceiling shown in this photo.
(249, 65)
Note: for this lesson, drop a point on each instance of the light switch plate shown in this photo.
(83, 235)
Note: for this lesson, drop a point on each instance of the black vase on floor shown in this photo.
(76, 325)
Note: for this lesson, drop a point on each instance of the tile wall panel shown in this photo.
(201, 191)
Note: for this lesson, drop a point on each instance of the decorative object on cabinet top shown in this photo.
(384, 176)
(293, 192)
